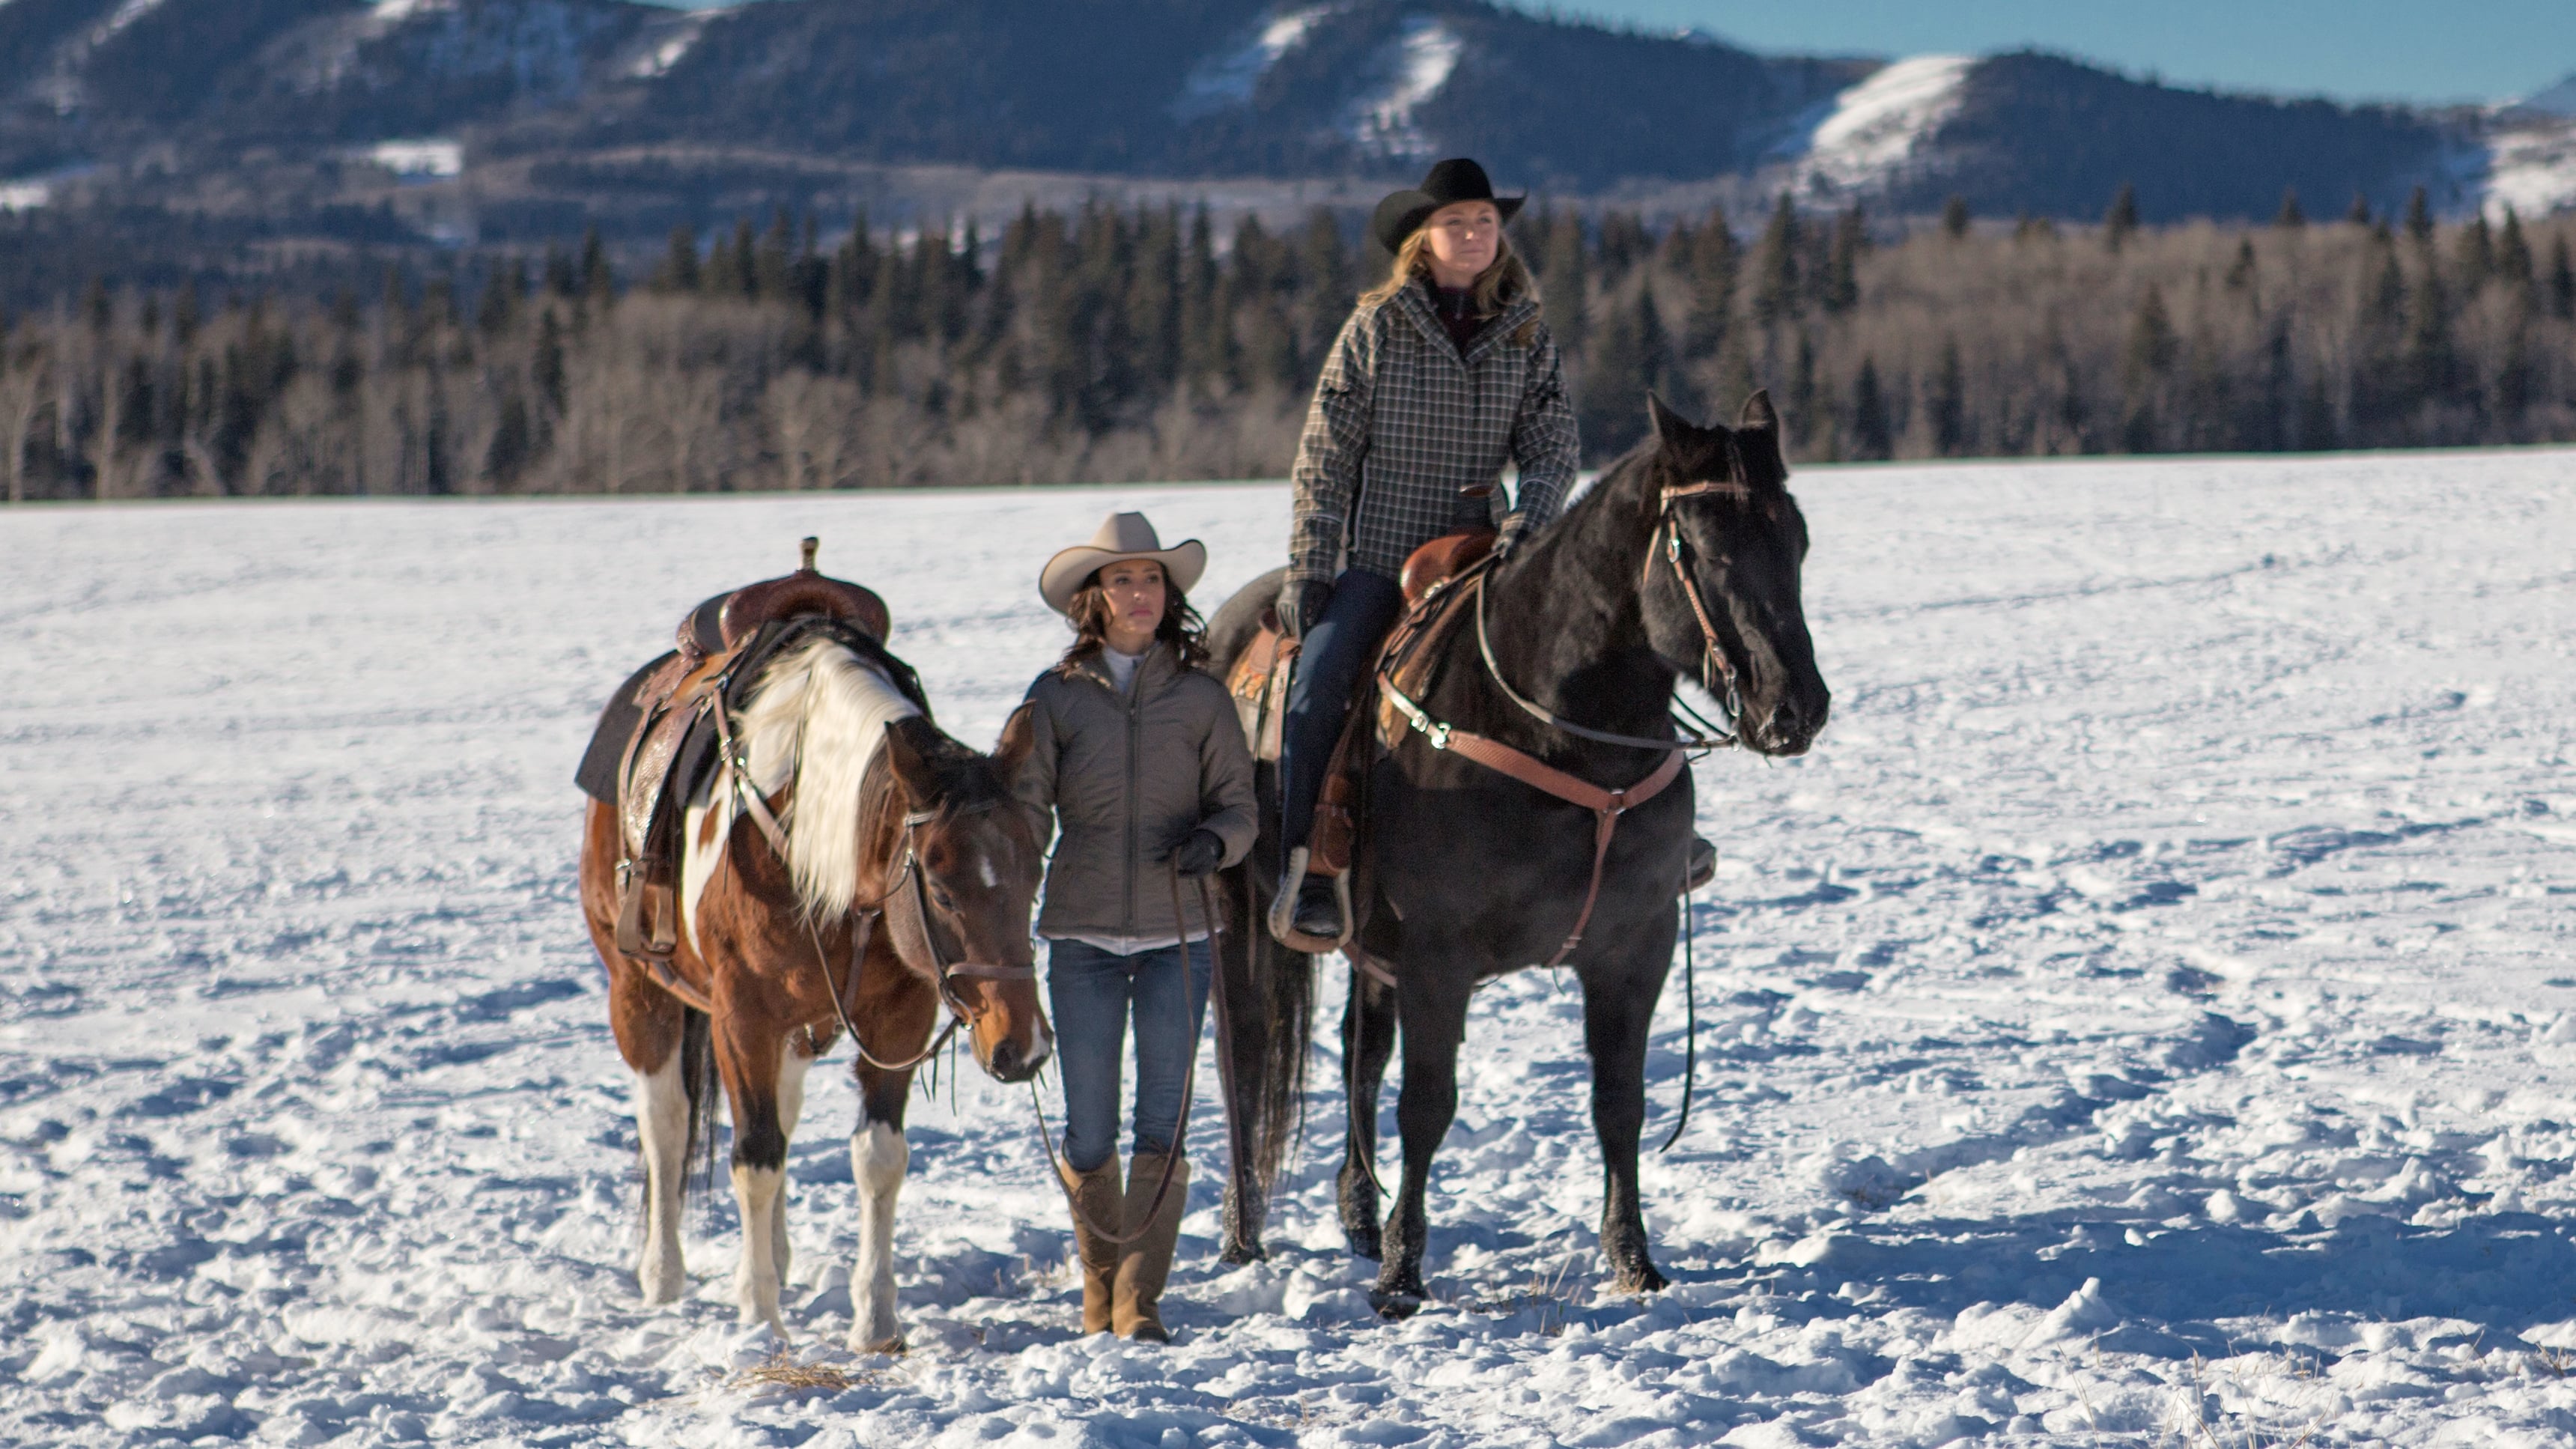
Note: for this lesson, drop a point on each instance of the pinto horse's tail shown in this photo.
(698, 1084)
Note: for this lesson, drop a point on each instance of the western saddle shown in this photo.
(1259, 680)
(658, 735)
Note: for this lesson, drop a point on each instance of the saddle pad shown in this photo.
(597, 775)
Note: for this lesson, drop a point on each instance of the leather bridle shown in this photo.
(946, 972)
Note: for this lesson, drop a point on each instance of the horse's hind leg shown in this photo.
(1368, 1040)
(651, 1029)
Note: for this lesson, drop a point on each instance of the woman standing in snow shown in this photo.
(1443, 373)
(1141, 774)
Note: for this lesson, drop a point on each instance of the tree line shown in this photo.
(1108, 344)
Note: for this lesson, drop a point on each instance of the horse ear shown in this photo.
(1757, 441)
(911, 761)
(1675, 430)
(1019, 740)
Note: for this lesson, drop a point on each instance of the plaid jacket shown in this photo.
(1401, 422)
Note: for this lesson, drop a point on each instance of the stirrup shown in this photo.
(1703, 865)
(1283, 909)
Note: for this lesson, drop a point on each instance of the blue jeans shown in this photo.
(1093, 994)
(1330, 658)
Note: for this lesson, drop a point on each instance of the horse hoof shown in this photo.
(1241, 1253)
(1641, 1277)
(859, 1343)
(1364, 1245)
(659, 1289)
(1394, 1306)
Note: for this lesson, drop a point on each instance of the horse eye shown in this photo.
(939, 894)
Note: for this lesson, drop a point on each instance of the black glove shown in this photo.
(1301, 603)
(1199, 854)
(1516, 528)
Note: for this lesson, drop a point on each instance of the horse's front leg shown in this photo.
(1431, 1007)
(879, 1157)
(1368, 1040)
(1618, 1017)
(753, 1064)
(896, 1012)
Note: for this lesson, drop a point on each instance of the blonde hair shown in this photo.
(1503, 280)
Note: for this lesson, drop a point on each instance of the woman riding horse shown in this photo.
(1139, 761)
(1443, 372)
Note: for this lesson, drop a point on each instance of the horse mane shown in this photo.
(817, 718)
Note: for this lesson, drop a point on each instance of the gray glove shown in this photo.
(1516, 529)
(1199, 854)
(1301, 603)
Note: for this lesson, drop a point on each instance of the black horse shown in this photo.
(1466, 873)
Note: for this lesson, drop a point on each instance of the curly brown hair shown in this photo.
(1180, 627)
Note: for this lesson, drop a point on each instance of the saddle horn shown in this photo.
(805, 552)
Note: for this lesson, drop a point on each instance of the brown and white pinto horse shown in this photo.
(902, 848)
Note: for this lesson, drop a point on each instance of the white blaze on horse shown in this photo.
(841, 863)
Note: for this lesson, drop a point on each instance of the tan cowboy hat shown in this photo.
(1121, 535)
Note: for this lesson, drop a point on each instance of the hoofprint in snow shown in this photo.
(2147, 1016)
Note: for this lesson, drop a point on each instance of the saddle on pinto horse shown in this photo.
(663, 727)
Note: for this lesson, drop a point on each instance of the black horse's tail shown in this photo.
(1286, 981)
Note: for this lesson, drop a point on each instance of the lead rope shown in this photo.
(1189, 1086)
(1690, 1011)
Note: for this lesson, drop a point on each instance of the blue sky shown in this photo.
(2414, 50)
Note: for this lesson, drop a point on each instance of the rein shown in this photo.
(1606, 805)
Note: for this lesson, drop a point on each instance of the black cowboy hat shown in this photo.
(1454, 180)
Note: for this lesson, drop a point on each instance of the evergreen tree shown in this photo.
(2240, 272)
(1954, 217)
(2419, 219)
(2359, 212)
(2121, 221)
(1565, 287)
(2474, 255)
(1946, 402)
(546, 366)
(1872, 436)
(598, 278)
(2291, 216)
(1842, 263)
(1153, 296)
(2513, 253)
(2148, 358)
(1775, 267)
(2562, 280)
(679, 269)
(1711, 279)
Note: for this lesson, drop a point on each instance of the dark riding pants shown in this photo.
(1094, 995)
(1330, 657)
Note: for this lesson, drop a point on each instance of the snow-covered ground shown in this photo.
(2147, 1017)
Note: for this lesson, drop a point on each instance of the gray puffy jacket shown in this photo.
(1124, 781)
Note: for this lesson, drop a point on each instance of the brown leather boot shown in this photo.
(1096, 1193)
(1146, 1262)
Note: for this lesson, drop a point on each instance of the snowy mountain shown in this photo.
(564, 111)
